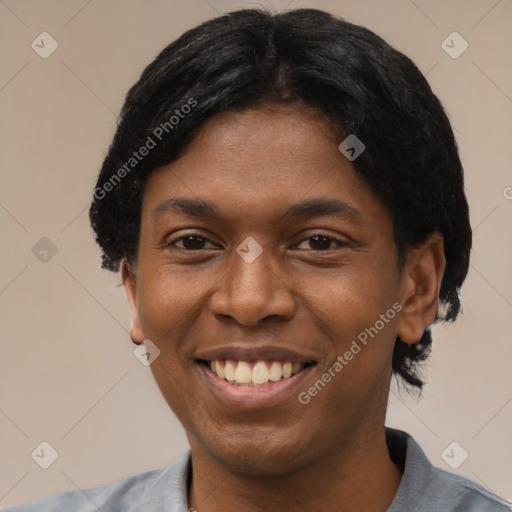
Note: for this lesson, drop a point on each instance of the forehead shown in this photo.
(269, 141)
(262, 160)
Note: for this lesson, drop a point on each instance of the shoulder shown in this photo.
(460, 493)
(150, 491)
(112, 497)
(426, 488)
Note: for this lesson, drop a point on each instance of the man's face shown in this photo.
(319, 282)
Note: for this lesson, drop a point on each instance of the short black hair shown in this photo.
(300, 57)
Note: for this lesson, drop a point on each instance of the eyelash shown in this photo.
(339, 243)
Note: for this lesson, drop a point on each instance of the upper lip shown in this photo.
(247, 353)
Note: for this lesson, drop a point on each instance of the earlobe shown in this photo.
(130, 285)
(421, 282)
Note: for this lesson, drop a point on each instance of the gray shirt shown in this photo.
(423, 488)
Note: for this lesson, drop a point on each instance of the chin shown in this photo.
(261, 451)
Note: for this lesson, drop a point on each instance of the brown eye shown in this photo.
(319, 242)
(191, 242)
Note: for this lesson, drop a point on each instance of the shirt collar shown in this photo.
(418, 472)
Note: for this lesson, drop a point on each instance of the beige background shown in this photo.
(68, 373)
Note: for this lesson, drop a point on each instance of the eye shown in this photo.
(317, 242)
(190, 242)
(320, 242)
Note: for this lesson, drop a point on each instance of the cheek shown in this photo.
(349, 299)
(169, 301)
(348, 306)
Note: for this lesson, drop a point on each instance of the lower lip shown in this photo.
(256, 396)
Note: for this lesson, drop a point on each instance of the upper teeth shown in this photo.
(255, 373)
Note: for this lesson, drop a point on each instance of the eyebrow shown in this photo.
(322, 207)
(191, 207)
(304, 209)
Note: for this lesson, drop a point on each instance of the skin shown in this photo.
(327, 455)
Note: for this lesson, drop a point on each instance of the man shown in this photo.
(284, 199)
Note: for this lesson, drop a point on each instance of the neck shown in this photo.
(354, 476)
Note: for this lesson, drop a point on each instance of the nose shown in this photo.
(251, 292)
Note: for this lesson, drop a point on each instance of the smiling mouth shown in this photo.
(254, 373)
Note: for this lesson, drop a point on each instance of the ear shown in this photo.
(419, 288)
(130, 285)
